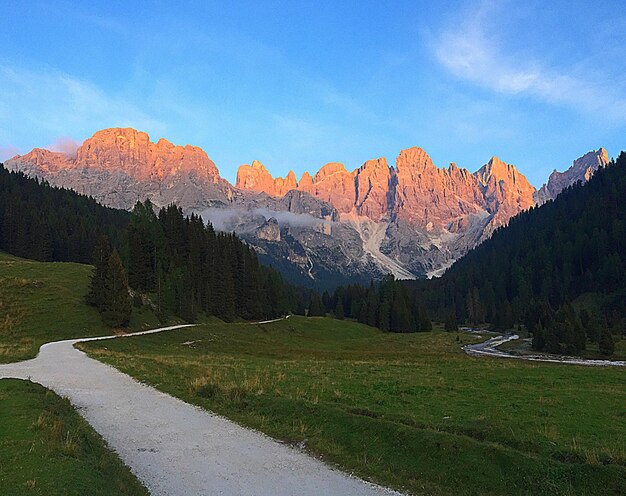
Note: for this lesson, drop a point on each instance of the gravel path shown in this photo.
(175, 448)
(490, 348)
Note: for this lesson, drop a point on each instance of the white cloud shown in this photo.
(227, 219)
(472, 49)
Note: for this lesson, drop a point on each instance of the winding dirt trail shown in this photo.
(175, 448)
(490, 348)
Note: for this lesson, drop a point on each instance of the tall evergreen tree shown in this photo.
(117, 307)
(96, 295)
(316, 309)
(606, 342)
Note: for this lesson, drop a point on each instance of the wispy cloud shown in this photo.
(49, 102)
(471, 48)
(66, 145)
(7, 152)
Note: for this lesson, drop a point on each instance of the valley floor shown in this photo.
(412, 412)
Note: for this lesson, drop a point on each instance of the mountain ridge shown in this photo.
(421, 217)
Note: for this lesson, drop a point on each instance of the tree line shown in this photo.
(389, 305)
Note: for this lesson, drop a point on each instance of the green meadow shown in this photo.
(45, 301)
(47, 449)
(410, 411)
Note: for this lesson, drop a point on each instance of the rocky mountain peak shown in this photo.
(581, 170)
(44, 160)
(256, 177)
(414, 157)
(505, 190)
(131, 152)
(258, 165)
(306, 181)
(497, 170)
(328, 170)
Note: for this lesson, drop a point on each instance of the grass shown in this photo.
(45, 301)
(46, 448)
(409, 411)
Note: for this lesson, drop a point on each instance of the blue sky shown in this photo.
(298, 84)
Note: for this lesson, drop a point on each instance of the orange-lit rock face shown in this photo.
(47, 161)
(255, 177)
(416, 191)
(132, 152)
(506, 191)
(128, 151)
(306, 182)
(332, 184)
(428, 196)
(335, 185)
(372, 189)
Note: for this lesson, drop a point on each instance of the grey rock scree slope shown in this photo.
(175, 448)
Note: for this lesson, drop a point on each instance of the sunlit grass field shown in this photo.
(45, 301)
(407, 410)
(47, 449)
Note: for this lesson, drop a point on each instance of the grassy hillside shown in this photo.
(411, 411)
(44, 301)
(47, 449)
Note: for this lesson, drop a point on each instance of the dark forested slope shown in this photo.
(570, 250)
(46, 223)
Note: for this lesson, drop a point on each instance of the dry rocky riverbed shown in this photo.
(490, 348)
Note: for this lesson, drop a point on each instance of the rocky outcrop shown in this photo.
(255, 177)
(581, 170)
(335, 185)
(415, 191)
(269, 231)
(131, 152)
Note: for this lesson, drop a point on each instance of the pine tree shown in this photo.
(450, 324)
(539, 337)
(315, 307)
(605, 342)
(117, 308)
(97, 293)
(339, 312)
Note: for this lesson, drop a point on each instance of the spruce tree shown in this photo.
(117, 307)
(450, 324)
(605, 342)
(339, 312)
(97, 293)
(316, 308)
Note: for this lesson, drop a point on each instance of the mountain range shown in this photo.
(412, 219)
